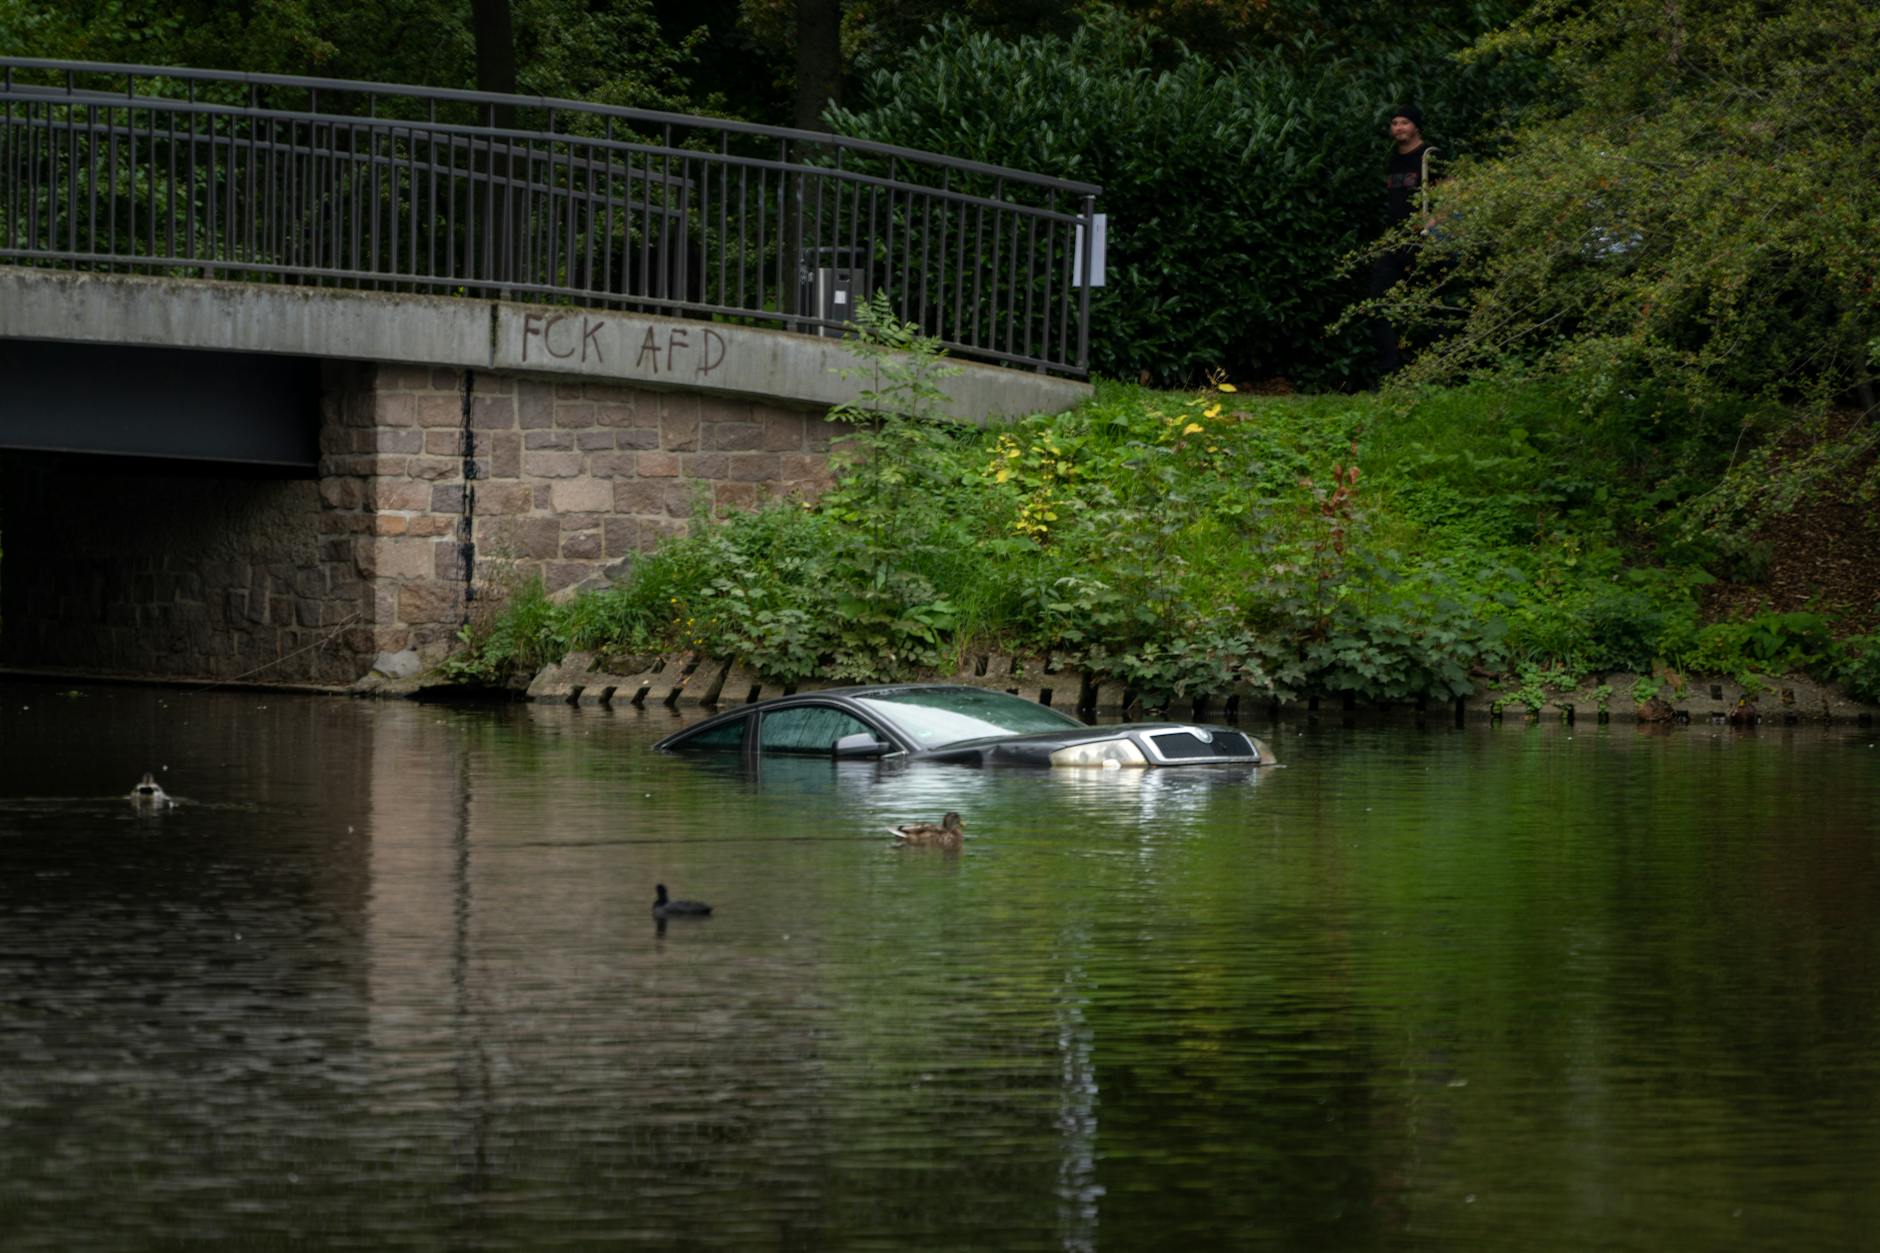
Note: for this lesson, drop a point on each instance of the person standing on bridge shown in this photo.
(1406, 176)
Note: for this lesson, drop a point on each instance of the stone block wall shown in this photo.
(165, 570)
(565, 481)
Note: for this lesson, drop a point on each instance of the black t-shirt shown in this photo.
(1403, 183)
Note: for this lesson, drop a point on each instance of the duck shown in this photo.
(946, 834)
(665, 908)
(150, 793)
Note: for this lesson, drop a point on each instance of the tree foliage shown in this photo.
(1698, 210)
(1233, 187)
(610, 51)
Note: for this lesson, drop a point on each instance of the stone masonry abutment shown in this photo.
(166, 569)
(561, 480)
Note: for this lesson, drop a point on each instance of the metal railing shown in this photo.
(320, 182)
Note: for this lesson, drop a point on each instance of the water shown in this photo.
(389, 980)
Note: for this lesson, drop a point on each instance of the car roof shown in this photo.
(875, 689)
(854, 692)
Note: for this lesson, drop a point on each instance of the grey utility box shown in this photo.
(833, 284)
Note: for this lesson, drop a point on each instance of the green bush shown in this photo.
(1859, 667)
(1769, 643)
(1233, 189)
(523, 635)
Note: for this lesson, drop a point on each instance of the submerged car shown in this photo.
(949, 722)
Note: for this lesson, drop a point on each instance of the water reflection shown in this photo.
(392, 979)
(895, 792)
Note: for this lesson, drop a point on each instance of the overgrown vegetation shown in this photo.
(1385, 547)
(1691, 215)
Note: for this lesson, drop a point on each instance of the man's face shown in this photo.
(1404, 131)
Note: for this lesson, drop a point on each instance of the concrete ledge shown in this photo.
(1790, 700)
(681, 354)
(1795, 701)
(242, 317)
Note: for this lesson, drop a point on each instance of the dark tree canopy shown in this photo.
(609, 50)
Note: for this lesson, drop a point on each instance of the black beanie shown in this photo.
(1410, 111)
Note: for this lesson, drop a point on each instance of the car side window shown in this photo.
(807, 729)
(728, 738)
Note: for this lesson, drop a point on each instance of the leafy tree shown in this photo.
(603, 50)
(1695, 210)
(755, 58)
(1233, 187)
(784, 61)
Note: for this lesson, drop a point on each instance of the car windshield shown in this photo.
(936, 718)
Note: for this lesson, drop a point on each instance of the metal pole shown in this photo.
(1083, 311)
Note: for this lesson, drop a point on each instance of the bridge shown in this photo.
(293, 370)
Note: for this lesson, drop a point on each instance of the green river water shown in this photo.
(389, 980)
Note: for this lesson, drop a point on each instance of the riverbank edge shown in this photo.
(691, 680)
(687, 681)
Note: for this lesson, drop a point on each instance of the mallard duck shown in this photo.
(664, 908)
(947, 833)
(150, 793)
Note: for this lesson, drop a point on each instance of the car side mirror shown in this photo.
(861, 744)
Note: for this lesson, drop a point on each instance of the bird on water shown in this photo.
(947, 833)
(664, 908)
(149, 792)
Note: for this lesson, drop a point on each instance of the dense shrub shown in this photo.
(1769, 643)
(1233, 189)
(1859, 667)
